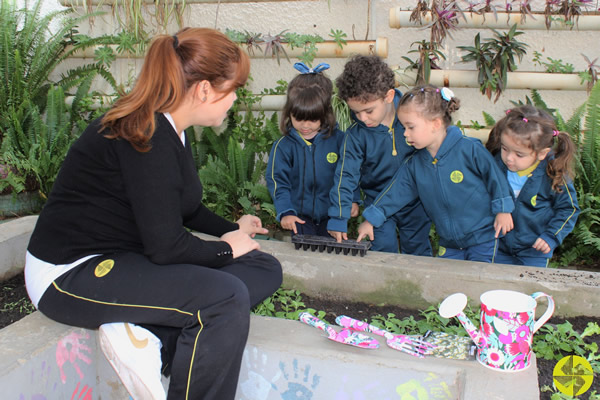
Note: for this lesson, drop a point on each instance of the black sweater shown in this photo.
(108, 197)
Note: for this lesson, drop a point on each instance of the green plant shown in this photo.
(273, 46)
(430, 320)
(35, 144)
(552, 66)
(132, 15)
(35, 130)
(307, 42)
(429, 55)
(23, 306)
(494, 59)
(285, 303)
(29, 53)
(338, 37)
(232, 163)
(341, 111)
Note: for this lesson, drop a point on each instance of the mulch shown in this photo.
(13, 291)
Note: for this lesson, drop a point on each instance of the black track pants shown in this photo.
(200, 314)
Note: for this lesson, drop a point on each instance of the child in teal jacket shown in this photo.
(371, 153)
(461, 187)
(302, 163)
(537, 160)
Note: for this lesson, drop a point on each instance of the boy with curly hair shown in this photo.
(372, 152)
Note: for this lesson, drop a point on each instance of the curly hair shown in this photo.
(365, 78)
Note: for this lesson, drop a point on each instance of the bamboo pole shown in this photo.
(516, 80)
(401, 19)
(327, 49)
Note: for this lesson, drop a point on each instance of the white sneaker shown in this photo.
(134, 353)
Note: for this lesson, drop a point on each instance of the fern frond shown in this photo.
(489, 120)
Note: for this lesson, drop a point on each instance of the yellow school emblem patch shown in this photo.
(534, 200)
(104, 268)
(456, 176)
(332, 158)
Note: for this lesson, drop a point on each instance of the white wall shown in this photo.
(353, 17)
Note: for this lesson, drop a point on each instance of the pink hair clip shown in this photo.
(525, 119)
(555, 133)
(507, 112)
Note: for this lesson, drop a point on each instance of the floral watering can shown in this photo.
(507, 326)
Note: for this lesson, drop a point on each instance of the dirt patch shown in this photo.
(14, 305)
(14, 302)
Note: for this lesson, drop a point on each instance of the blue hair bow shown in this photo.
(304, 69)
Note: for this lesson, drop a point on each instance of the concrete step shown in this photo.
(283, 359)
(290, 360)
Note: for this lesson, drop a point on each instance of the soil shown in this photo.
(14, 305)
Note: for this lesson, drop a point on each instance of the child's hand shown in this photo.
(503, 223)
(355, 210)
(541, 245)
(365, 230)
(289, 222)
(251, 225)
(338, 236)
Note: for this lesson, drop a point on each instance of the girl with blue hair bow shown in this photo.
(302, 162)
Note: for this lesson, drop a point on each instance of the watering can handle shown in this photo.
(549, 311)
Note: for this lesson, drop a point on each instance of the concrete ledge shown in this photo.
(45, 359)
(42, 359)
(418, 282)
(408, 281)
(286, 358)
(14, 237)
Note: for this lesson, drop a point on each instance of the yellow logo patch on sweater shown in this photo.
(456, 176)
(534, 200)
(104, 267)
(332, 157)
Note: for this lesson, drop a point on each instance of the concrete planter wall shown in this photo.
(401, 19)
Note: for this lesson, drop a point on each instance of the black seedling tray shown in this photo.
(322, 243)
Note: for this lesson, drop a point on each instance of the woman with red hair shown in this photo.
(112, 248)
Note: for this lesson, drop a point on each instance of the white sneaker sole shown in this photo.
(134, 384)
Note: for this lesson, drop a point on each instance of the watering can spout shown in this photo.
(453, 306)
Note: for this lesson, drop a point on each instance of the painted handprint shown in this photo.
(71, 349)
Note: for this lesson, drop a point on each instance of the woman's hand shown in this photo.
(251, 225)
(503, 223)
(365, 230)
(289, 222)
(240, 242)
